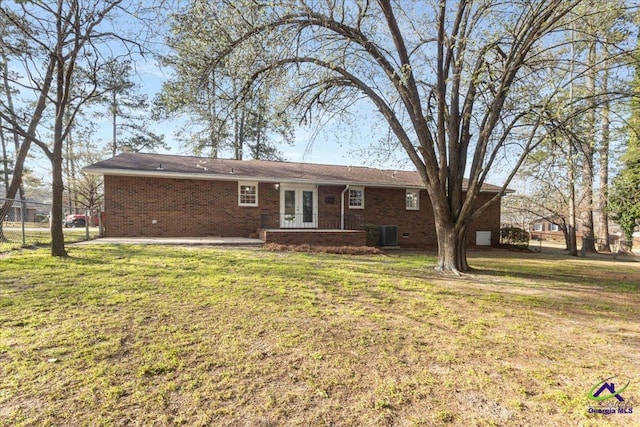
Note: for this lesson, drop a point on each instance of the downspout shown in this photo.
(346, 188)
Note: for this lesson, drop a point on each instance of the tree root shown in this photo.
(453, 271)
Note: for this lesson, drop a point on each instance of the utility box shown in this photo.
(483, 238)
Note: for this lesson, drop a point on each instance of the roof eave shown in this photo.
(234, 177)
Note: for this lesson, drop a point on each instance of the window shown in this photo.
(248, 193)
(413, 200)
(538, 226)
(554, 227)
(356, 198)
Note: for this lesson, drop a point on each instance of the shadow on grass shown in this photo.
(540, 280)
(556, 284)
(560, 271)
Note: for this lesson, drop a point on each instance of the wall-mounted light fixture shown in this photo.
(276, 186)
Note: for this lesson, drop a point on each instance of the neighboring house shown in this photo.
(621, 238)
(283, 202)
(15, 213)
(545, 229)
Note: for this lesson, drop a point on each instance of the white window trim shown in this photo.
(554, 227)
(538, 226)
(417, 193)
(247, 183)
(349, 197)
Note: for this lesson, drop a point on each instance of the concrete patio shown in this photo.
(212, 241)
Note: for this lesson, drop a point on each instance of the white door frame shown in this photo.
(295, 217)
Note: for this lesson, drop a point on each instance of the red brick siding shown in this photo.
(387, 206)
(416, 228)
(181, 207)
(197, 208)
(488, 221)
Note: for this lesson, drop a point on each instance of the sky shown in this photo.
(357, 142)
(337, 142)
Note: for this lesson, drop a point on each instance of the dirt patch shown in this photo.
(483, 407)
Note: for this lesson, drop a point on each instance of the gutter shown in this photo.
(346, 188)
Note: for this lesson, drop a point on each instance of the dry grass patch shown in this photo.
(145, 335)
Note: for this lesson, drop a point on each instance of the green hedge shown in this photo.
(373, 234)
(514, 236)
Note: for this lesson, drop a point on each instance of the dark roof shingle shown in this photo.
(165, 165)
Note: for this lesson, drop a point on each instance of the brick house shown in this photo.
(154, 195)
(547, 229)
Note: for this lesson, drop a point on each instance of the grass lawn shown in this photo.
(154, 335)
(40, 235)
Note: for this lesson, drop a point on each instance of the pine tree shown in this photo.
(625, 197)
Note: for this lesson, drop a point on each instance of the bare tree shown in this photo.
(461, 84)
(12, 121)
(583, 122)
(549, 174)
(88, 189)
(63, 38)
(8, 95)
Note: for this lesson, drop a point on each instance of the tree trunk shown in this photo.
(603, 193)
(452, 251)
(588, 235)
(565, 234)
(114, 123)
(573, 241)
(571, 228)
(213, 139)
(16, 182)
(68, 176)
(239, 134)
(57, 234)
(5, 160)
(72, 181)
(57, 186)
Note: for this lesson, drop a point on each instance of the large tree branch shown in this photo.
(533, 27)
(402, 80)
(349, 79)
(406, 85)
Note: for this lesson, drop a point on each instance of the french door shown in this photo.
(298, 207)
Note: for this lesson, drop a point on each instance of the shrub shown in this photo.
(514, 236)
(373, 234)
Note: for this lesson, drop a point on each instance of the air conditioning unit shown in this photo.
(388, 235)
